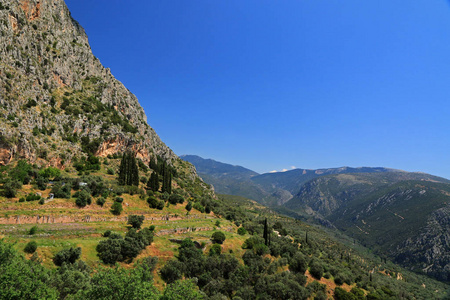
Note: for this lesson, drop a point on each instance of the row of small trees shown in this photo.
(129, 174)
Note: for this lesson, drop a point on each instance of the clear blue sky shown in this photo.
(274, 84)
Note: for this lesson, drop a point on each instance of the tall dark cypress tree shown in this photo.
(266, 233)
(128, 170)
(153, 182)
(134, 171)
(167, 179)
(123, 170)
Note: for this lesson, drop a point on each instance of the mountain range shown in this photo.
(404, 216)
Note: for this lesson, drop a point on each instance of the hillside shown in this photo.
(57, 100)
(403, 217)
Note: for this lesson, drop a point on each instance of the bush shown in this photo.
(316, 270)
(41, 182)
(101, 201)
(118, 199)
(189, 206)
(61, 191)
(30, 247)
(33, 197)
(136, 221)
(215, 249)
(67, 256)
(199, 207)
(107, 233)
(241, 231)
(10, 188)
(297, 264)
(83, 198)
(175, 198)
(33, 230)
(116, 208)
(50, 173)
(218, 237)
(172, 271)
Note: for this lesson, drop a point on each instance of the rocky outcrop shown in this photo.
(47, 60)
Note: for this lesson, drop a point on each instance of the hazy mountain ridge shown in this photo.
(402, 215)
(231, 180)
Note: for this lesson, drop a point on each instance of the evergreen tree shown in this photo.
(266, 233)
(134, 171)
(167, 179)
(153, 182)
(123, 170)
(128, 170)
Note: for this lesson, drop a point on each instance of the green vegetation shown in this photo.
(135, 221)
(218, 237)
(128, 170)
(30, 247)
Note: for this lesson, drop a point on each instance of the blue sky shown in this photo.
(274, 84)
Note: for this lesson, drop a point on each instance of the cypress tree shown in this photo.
(122, 170)
(134, 171)
(167, 179)
(266, 233)
(153, 182)
(128, 170)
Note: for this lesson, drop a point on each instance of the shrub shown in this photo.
(50, 172)
(67, 256)
(215, 249)
(33, 230)
(189, 206)
(41, 182)
(116, 208)
(172, 271)
(136, 221)
(316, 269)
(175, 198)
(199, 207)
(241, 231)
(118, 199)
(30, 247)
(218, 237)
(33, 197)
(110, 171)
(101, 201)
(61, 191)
(10, 188)
(83, 198)
(107, 233)
(297, 263)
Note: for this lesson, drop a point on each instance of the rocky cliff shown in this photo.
(57, 101)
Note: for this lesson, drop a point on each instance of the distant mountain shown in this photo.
(291, 181)
(404, 216)
(218, 169)
(228, 179)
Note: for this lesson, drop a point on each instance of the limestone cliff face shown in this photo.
(55, 95)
